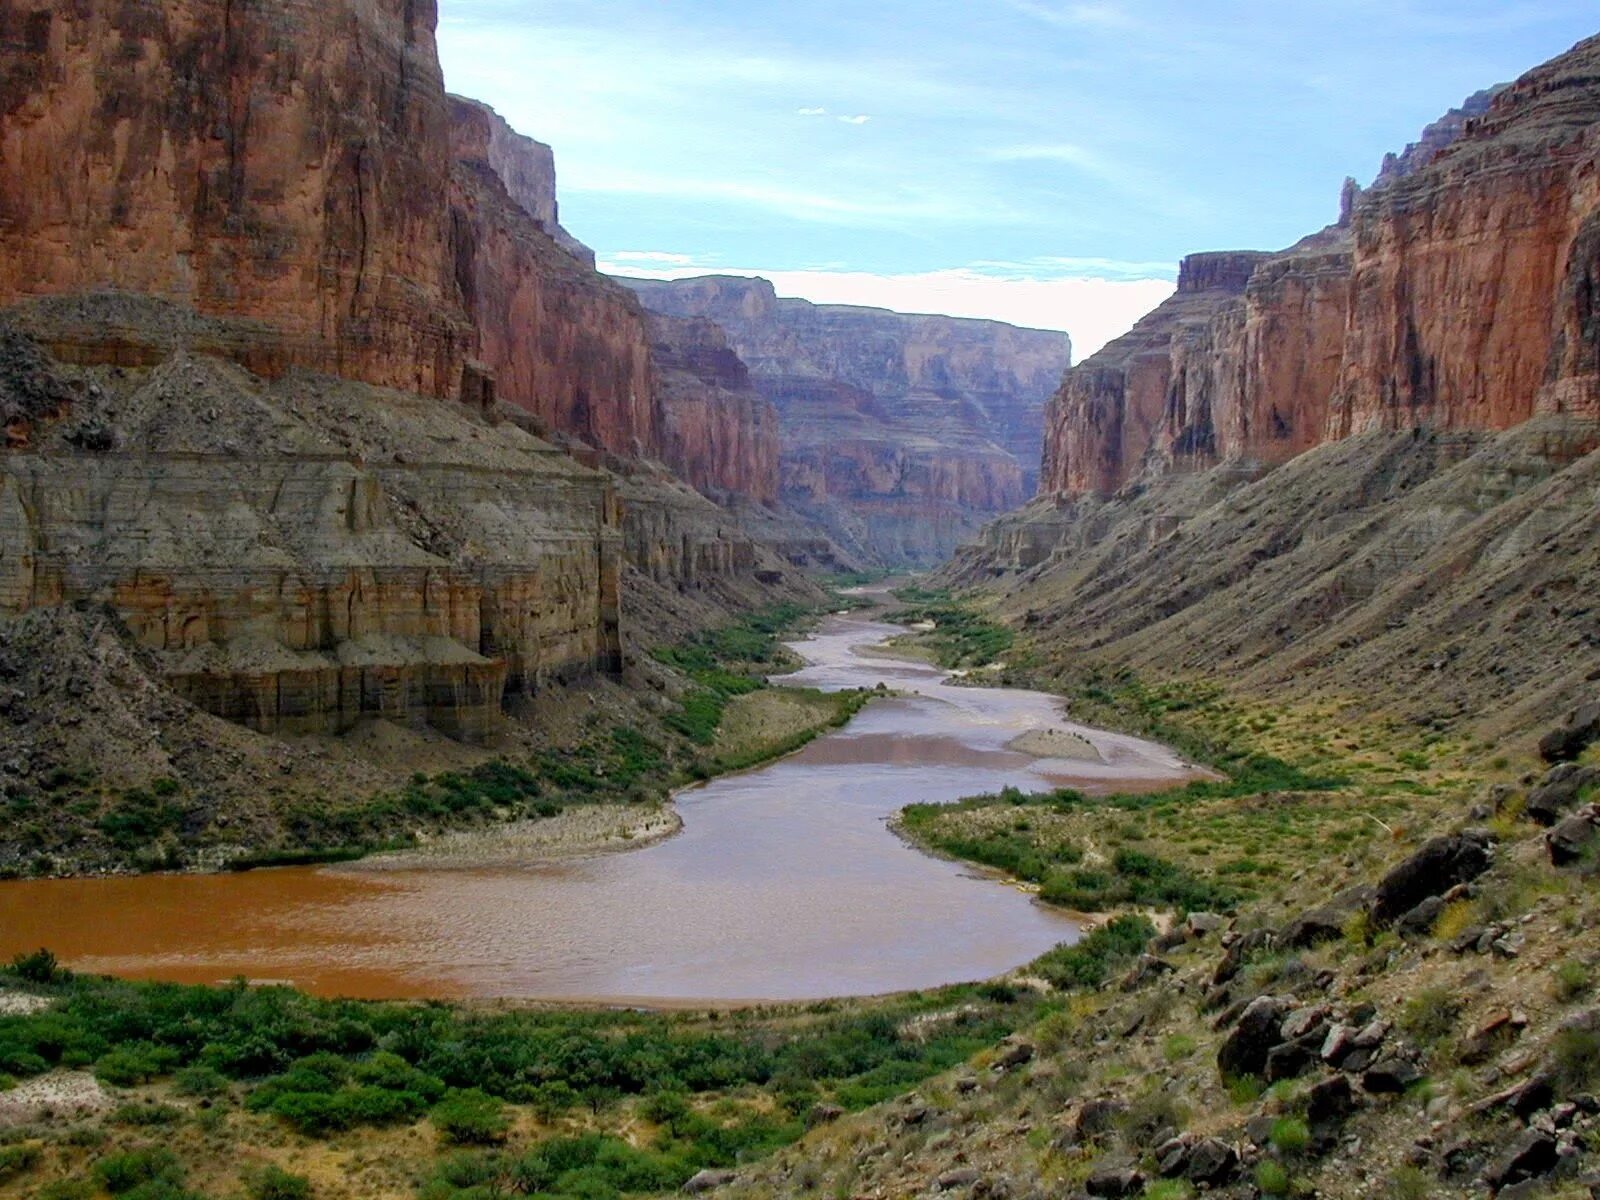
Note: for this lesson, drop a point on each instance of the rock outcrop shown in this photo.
(295, 177)
(900, 433)
(306, 386)
(303, 554)
(719, 433)
(1456, 293)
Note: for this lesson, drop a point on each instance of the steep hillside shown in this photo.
(1365, 465)
(317, 423)
(900, 433)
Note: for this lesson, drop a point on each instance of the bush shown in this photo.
(39, 967)
(1572, 980)
(1271, 1178)
(1430, 1015)
(199, 1081)
(1289, 1135)
(16, 1160)
(122, 1173)
(470, 1118)
(136, 1063)
(1089, 963)
(274, 1183)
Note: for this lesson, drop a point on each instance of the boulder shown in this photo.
(1570, 739)
(706, 1181)
(1014, 1052)
(1116, 1182)
(1419, 921)
(1330, 1101)
(1325, 922)
(1559, 791)
(1212, 1163)
(1240, 951)
(1289, 1060)
(959, 1178)
(1248, 1045)
(1390, 1076)
(1530, 1156)
(1440, 864)
(1572, 839)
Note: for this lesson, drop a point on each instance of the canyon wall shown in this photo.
(303, 383)
(1455, 293)
(1360, 470)
(720, 434)
(295, 175)
(302, 554)
(900, 433)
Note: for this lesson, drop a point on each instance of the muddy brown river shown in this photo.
(784, 884)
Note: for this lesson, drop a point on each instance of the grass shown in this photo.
(962, 636)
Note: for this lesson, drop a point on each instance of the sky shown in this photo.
(1045, 162)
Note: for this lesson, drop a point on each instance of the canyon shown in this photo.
(900, 434)
(1359, 464)
(307, 385)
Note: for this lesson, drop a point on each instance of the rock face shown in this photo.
(295, 176)
(899, 432)
(1457, 293)
(720, 434)
(303, 554)
(555, 338)
(297, 344)
(285, 165)
(528, 170)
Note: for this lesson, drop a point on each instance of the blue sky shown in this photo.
(1041, 161)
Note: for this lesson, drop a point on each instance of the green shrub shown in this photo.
(17, 1160)
(1575, 1056)
(147, 1114)
(470, 1118)
(1272, 1178)
(1572, 979)
(1430, 1015)
(41, 966)
(133, 1064)
(120, 1174)
(274, 1183)
(199, 1081)
(1289, 1135)
(1090, 962)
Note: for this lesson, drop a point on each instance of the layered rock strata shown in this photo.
(304, 554)
(295, 176)
(719, 433)
(1454, 294)
(900, 433)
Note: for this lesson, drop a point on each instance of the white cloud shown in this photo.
(659, 257)
(1077, 16)
(1093, 308)
(866, 208)
(812, 112)
(855, 120)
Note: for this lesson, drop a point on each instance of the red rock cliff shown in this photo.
(559, 340)
(284, 163)
(720, 434)
(900, 433)
(1458, 293)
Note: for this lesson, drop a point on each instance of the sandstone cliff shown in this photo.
(295, 175)
(297, 344)
(900, 433)
(721, 435)
(305, 553)
(1363, 467)
(1454, 293)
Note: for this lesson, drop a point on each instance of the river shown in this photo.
(785, 883)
